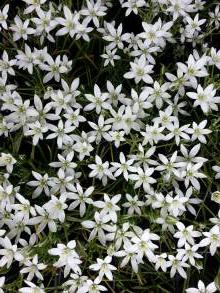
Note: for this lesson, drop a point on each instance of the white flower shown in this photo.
(36, 131)
(153, 134)
(74, 117)
(44, 24)
(144, 244)
(60, 101)
(216, 195)
(23, 208)
(188, 194)
(133, 204)
(33, 268)
(17, 224)
(193, 26)
(190, 156)
(62, 182)
(5, 127)
(110, 56)
(140, 70)
(55, 207)
(175, 205)
(212, 239)
(157, 33)
(54, 68)
(6, 65)
(8, 252)
(43, 111)
(185, 234)
(129, 120)
(61, 132)
(100, 130)
(104, 267)
(178, 82)
(65, 163)
(191, 174)
(199, 131)
(169, 166)
(132, 6)
(98, 100)
(93, 11)
(215, 16)
(44, 219)
(83, 148)
(158, 94)
(101, 170)
(99, 226)
(84, 30)
(75, 282)
(205, 98)
(20, 29)
(143, 178)
(130, 253)
(32, 288)
(177, 265)
(215, 57)
(8, 161)
(4, 16)
(2, 281)
(102, 140)
(80, 198)
(25, 60)
(161, 262)
(68, 257)
(33, 5)
(140, 102)
(109, 206)
(70, 23)
(40, 183)
(72, 90)
(177, 132)
(211, 288)
(123, 167)
(179, 8)
(22, 112)
(190, 253)
(92, 286)
(117, 118)
(7, 194)
(144, 158)
(115, 136)
(193, 69)
(115, 37)
(165, 117)
(140, 47)
(121, 236)
(178, 106)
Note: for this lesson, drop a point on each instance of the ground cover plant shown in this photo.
(109, 146)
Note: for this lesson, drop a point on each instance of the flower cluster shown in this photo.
(109, 154)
